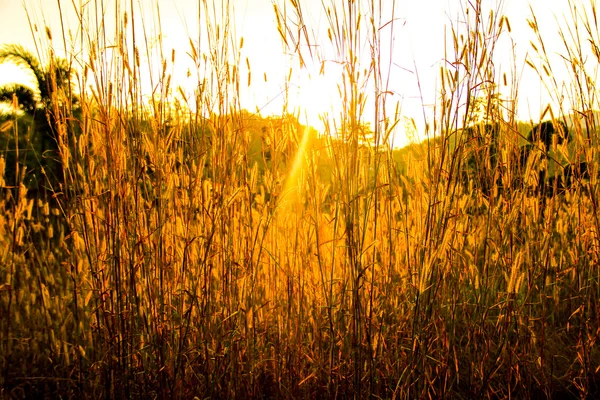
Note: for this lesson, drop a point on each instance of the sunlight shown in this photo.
(291, 190)
(187, 214)
(11, 73)
(318, 98)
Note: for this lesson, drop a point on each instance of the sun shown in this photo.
(315, 100)
(318, 99)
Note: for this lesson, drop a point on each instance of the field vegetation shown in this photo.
(177, 247)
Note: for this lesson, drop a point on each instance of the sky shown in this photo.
(413, 46)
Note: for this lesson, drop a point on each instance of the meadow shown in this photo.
(176, 247)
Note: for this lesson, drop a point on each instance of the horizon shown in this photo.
(416, 44)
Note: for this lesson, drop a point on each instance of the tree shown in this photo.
(51, 82)
(53, 87)
(25, 96)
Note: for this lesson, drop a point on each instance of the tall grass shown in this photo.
(192, 252)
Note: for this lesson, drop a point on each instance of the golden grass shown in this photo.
(183, 259)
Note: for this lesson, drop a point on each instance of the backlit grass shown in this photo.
(191, 248)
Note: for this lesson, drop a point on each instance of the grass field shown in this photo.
(193, 249)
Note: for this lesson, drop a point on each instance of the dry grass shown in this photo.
(179, 261)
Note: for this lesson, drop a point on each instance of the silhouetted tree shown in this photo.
(545, 131)
(25, 96)
(568, 175)
(53, 87)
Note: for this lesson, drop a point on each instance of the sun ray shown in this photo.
(292, 189)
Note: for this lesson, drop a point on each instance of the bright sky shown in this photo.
(417, 48)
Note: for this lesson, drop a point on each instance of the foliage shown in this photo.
(40, 141)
